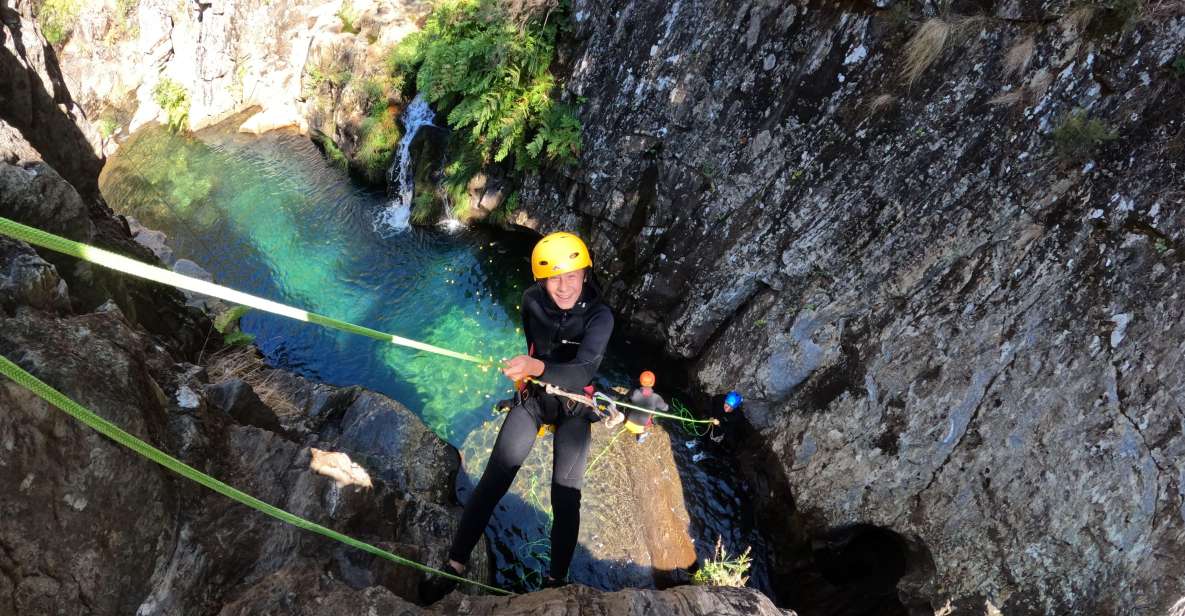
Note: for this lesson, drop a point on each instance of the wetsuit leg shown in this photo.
(514, 442)
(573, 436)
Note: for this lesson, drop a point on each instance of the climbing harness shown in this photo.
(115, 433)
(123, 264)
(552, 389)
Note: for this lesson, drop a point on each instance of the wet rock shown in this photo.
(153, 240)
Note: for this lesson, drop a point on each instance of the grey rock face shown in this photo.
(82, 520)
(35, 102)
(27, 280)
(943, 328)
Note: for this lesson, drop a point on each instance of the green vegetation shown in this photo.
(348, 17)
(1077, 137)
(378, 137)
(57, 19)
(227, 324)
(335, 155)
(505, 210)
(488, 72)
(1178, 66)
(723, 570)
(106, 127)
(174, 100)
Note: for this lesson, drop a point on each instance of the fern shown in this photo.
(490, 77)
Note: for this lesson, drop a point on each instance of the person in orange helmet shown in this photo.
(637, 421)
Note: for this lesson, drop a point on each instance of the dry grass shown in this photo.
(1028, 94)
(1017, 60)
(244, 363)
(1078, 19)
(926, 45)
(1008, 98)
(880, 103)
(1164, 9)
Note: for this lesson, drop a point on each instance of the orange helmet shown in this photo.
(646, 379)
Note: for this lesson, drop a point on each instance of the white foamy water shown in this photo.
(394, 217)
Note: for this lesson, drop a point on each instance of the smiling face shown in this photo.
(565, 289)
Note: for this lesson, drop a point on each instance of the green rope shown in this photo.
(604, 450)
(113, 432)
(132, 267)
(688, 422)
(626, 405)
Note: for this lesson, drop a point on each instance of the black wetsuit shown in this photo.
(571, 344)
(731, 423)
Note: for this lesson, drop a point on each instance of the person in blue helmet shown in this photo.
(728, 412)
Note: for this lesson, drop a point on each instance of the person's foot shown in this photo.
(435, 587)
(642, 437)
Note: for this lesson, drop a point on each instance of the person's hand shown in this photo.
(615, 418)
(520, 366)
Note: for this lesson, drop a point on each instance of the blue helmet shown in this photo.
(733, 399)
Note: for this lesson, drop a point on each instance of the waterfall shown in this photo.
(400, 181)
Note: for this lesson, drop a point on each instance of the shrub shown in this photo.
(174, 100)
(348, 17)
(1077, 136)
(106, 127)
(723, 570)
(379, 137)
(489, 75)
(57, 19)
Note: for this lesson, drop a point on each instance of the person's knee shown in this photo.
(565, 498)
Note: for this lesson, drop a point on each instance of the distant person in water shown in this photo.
(728, 412)
(567, 329)
(637, 421)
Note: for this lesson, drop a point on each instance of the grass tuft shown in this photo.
(722, 569)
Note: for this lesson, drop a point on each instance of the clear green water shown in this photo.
(268, 216)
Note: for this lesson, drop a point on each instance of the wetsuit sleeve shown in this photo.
(662, 404)
(575, 374)
(522, 306)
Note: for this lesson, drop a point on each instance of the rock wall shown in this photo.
(230, 56)
(953, 306)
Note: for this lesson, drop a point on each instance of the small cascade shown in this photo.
(400, 179)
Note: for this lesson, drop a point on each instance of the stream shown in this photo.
(267, 215)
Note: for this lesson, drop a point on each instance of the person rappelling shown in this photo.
(638, 421)
(567, 328)
(728, 415)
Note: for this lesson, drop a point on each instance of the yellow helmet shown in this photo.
(559, 253)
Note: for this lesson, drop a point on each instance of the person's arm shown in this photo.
(522, 306)
(662, 404)
(575, 374)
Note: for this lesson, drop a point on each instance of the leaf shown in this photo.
(228, 319)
